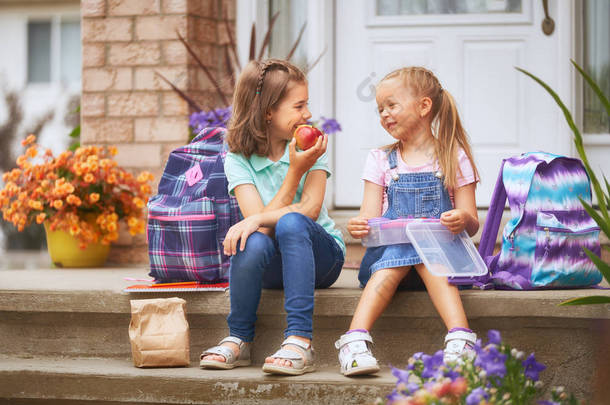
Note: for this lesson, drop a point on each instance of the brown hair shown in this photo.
(450, 135)
(261, 86)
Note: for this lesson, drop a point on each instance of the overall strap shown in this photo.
(392, 159)
(494, 217)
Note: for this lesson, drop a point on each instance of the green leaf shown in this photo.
(74, 146)
(603, 224)
(577, 140)
(594, 86)
(594, 299)
(75, 132)
(602, 266)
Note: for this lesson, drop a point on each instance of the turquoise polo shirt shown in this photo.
(267, 176)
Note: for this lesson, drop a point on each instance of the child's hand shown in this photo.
(454, 220)
(240, 231)
(358, 227)
(304, 160)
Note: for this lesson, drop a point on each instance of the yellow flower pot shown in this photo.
(65, 251)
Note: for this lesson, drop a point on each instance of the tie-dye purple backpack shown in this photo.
(542, 243)
(189, 218)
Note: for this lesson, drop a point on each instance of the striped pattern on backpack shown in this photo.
(542, 243)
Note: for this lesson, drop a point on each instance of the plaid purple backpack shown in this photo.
(190, 216)
(542, 243)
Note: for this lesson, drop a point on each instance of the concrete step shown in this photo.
(76, 314)
(110, 381)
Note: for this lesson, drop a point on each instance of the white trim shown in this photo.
(374, 20)
(596, 139)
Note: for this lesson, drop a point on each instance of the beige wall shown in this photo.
(124, 103)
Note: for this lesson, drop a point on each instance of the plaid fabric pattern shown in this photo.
(192, 212)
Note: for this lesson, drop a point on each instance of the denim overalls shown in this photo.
(417, 195)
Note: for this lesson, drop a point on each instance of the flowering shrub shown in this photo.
(220, 117)
(83, 192)
(497, 374)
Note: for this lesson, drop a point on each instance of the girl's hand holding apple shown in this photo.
(304, 160)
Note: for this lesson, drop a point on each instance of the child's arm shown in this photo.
(310, 205)
(300, 162)
(371, 207)
(465, 215)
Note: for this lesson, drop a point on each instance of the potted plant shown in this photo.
(80, 196)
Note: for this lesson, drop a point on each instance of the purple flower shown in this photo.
(548, 403)
(492, 361)
(395, 396)
(494, 337)
(401, 375)
(532, 367)
(431, 364)
(476, 396)
(412, 387)
(218, 117)
(330, 125)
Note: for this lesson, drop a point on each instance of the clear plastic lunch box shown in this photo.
(443, 253)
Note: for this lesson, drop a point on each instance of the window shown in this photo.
(293, 14)
(410, 7)
(54, 51)
(596, 64)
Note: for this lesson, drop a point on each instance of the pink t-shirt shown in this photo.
(377, 170)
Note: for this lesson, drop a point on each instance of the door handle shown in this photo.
(548, 25)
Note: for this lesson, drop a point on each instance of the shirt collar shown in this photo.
(261, 162)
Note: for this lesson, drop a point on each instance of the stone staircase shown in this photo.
(63, 339)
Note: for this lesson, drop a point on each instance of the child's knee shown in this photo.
(258, 247)
(292, 223)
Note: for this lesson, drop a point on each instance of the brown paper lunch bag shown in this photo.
(159, 333)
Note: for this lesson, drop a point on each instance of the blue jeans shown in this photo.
(302, 257)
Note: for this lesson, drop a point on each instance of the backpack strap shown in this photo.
(494, 217)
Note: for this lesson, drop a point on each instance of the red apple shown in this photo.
(306, 136)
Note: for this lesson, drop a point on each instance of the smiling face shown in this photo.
(290, 112)
(400, 112)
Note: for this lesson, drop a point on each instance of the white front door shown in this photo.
(473, 47)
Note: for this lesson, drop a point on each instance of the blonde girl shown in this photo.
(428, 172)
(286, 239)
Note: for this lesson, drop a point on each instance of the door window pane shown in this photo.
(596, 64)
(293, 14)
(415, 7)
(70, 58)
(39, 52)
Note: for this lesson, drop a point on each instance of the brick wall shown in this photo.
(124, 103)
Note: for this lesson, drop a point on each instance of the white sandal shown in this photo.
(355, 354)
(459, 344)
(302, 362)
(242, 359)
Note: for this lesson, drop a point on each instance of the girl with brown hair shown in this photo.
(286, 239)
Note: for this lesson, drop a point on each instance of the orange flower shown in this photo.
(29, 140)
(74, 200)
(40, 218)
(138, 202)
(45, 182)
(31, 152)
